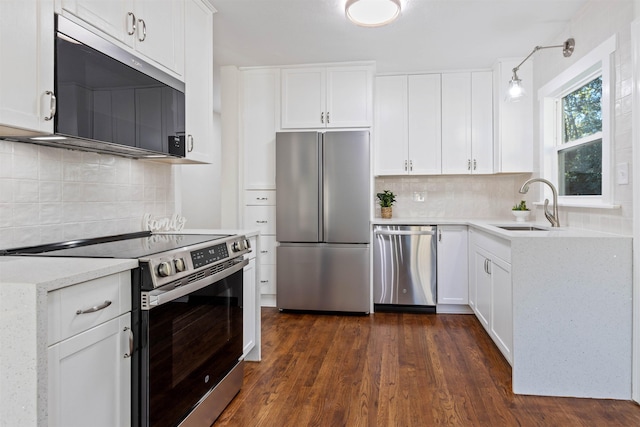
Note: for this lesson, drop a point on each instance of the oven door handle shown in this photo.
(159, 296)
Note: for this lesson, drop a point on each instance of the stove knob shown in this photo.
(237, 246)
(247, 244)
(179, 265)
(164, 269)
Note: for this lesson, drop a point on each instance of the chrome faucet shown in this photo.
(553, 218)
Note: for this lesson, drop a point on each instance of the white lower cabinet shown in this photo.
(490, 288)
(89, 353)
(453, 265)
(249, 308)
(90, 377)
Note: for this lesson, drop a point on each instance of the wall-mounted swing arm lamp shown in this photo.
(516, 91)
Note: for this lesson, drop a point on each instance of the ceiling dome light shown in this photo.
(372, 13)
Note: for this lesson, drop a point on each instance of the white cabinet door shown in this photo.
(482, 279)
(260, 106)
(502, 307)
(390, 131)
(424, 123)
(456, 123)
(333, 97)
(482, 122)
(453, 277)
(113, 17)
(198, 81)
(249, 309)
(349, 97)
(26, 74)
(160, 33)
(303, 98)
(90, 377)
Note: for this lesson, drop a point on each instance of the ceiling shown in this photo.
(429, 35)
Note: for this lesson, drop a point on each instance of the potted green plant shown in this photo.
(386, 200)
(520, 211)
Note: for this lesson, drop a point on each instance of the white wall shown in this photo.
(49, 194)
(591, 26)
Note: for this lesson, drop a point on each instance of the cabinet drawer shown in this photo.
(260, 197)
(261, 217)
(267, 280)
(267, 250)
(101, 300)
(495, 245)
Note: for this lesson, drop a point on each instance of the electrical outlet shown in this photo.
(418, 196)
(622, 173)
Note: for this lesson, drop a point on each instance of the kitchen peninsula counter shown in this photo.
(571, 306)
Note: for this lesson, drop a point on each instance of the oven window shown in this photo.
(194, 341)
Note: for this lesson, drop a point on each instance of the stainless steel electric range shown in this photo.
(186, 316)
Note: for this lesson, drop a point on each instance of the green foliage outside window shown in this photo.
(580, 166)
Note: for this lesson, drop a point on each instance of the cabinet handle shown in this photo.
(95, 308)
(328, 118)
(144, 30)
(405, 165)
(439, 235)
(189, 143)
(264, 252)
(132, 31)
(411, 165)
(322, 117)
(53, 105)
(261, 222)
(474, 164)
(262, 198)
(469, 164)
(127, 355)
(264, 281)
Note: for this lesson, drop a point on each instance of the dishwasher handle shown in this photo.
(405, 232)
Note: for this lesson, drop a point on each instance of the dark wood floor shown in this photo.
(391, 369)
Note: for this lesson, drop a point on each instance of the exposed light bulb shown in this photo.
(515, 91)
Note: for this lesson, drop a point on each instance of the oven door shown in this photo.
(189, 343)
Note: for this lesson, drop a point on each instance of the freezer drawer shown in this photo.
(322, 277)
(404, 267)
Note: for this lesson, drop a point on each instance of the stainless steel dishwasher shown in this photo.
(404, 268)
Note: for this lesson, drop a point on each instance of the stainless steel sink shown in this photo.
(522, 228)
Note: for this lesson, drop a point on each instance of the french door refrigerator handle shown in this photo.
(322, 214)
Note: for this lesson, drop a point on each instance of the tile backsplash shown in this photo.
(50, 195)
(454, 196)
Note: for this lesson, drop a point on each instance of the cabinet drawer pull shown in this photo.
(127, 355)
(190, 143)
(264, 281)
(475, 164)
(95, 308)
(469, 164)
(261, 222)
(264, 252)
(144, 30)
(327, 117)
(262, 198)
(405, 165)
(322, 117)
(53, 105)
(411, 165)
(133, 23)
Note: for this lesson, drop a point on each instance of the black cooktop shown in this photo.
(125, 246)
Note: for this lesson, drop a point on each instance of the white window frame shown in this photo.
(596, 63)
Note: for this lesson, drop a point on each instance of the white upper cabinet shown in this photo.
(154, 29)
(390, 131)
(467, 125)
(26, 74)
(407, 131)
(199, 81)
(260, 89)
(327, 97)
(425, 139)
(513, 120)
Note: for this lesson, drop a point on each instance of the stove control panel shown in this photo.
(167, 267)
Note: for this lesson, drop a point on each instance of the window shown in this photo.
(580, 151)
(576, 129)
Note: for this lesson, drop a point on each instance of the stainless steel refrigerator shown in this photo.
(322, 221)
